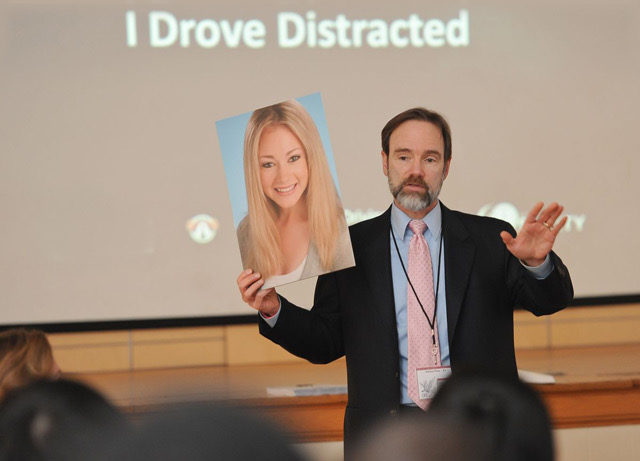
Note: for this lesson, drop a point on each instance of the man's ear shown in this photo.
(385, 163)
(445, 173)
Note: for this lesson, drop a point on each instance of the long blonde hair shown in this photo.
(325, 213)
(25, 356)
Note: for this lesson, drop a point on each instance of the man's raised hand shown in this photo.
(537, 235)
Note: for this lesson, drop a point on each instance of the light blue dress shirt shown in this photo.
(432, 234)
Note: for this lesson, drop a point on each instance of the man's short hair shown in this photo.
(418, 113)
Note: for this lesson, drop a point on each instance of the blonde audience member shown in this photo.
(25, 356)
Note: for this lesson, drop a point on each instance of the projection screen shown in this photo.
(114, 200)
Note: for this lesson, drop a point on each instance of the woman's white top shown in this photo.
(292, 276)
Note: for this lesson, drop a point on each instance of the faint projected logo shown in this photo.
(202, 228)
(508, 212)
(355, 216)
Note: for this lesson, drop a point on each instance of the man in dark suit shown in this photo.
(481, 271)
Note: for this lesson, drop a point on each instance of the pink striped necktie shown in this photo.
(422, 352)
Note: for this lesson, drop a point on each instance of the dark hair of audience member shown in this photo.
(422, 437)
(55, 420)
(203, 432)
(509, 413)
(25, 356)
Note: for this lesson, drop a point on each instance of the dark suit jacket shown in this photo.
(354, 314)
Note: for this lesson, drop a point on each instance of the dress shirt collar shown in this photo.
(400, 222)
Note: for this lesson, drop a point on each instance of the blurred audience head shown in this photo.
(508, 413)
(422, 438)
(25, 356)
(203, 432)
(474, 416)
(55, 420)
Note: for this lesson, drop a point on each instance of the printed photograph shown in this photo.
(284, 191)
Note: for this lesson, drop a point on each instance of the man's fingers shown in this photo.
(249, 295)
(248, 283)
(246, 278)
(242, 279)
(507, 238)
(547, 213)
(560, 225)
(243, 274)
(533, 214)
(552, 219)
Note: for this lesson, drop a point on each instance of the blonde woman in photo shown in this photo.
(295, 227)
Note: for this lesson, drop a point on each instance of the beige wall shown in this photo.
(164, 348)
(579, 326)
(242, 344)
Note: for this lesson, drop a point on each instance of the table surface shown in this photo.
(573, 368)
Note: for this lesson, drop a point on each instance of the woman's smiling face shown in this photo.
(284, 173)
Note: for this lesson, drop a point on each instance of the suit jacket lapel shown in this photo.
(459, 254)
(376, 263)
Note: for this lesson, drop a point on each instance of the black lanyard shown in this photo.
(435, 307)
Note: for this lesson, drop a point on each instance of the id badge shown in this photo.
(430, 379)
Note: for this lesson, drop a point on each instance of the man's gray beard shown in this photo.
(413, 201)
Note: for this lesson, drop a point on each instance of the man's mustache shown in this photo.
(414, 181)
